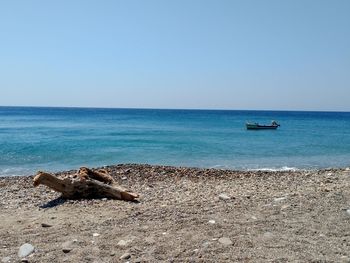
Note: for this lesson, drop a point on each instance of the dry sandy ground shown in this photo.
(269, 217)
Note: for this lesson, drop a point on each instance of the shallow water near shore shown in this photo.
(65, 138)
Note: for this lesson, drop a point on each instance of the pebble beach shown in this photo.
(183, 215)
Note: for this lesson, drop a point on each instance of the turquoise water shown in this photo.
(54, 139)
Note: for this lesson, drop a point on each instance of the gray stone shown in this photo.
(25, 250)
(224, 197)
(5, 259)
(67, 246)
(268, 235)
(278, 199)
(124, 243)
(206, 244)
(225, 241)
(125, 256)
(150, 240)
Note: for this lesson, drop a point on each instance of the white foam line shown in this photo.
(283, 169)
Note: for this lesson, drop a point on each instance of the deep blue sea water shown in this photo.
(55, 139)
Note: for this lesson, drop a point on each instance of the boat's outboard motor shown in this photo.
(274, 123)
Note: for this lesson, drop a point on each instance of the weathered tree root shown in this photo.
(85, 184)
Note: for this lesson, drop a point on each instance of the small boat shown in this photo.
(256, 126)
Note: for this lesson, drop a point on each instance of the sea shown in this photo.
(55, 139)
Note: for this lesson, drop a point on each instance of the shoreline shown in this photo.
(226, 169)
(184, 215)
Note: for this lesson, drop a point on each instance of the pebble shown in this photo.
(268, 235)
(211, 221)
(225, 241)
(123, 243)
(125, 256)
(95, 234)
(67, 246)
(150, 240)
(283, 207)
(24, 260)
(278, 199)
(206, 244)
(224, 197)
(25, 250)
(348, 211)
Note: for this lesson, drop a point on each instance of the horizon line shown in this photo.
(184, 109)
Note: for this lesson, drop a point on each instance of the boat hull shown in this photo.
(261, 127)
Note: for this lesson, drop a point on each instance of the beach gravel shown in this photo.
(6, 259)
(290, 216)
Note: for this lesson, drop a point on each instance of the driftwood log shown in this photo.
(86, 183)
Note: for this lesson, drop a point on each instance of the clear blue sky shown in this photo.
(287, 55)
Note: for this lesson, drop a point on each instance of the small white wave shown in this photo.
(280, 169)
(247, 168)
(14, 172)
(219, 166)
